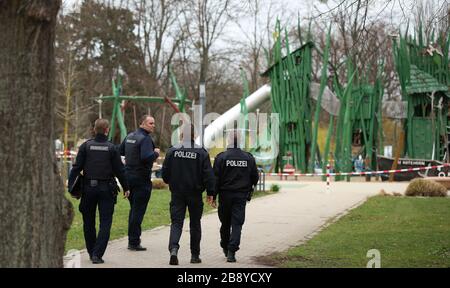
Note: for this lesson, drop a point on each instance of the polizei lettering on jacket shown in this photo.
(99, 148)
(185, 155)
(237, 163)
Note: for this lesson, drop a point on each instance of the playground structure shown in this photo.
(359, 123)
(290, 78)
(424, 75)
(178, 104)
(354, 107)
(291, 93)
(423, 70)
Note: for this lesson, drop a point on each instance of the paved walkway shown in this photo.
(273, 223)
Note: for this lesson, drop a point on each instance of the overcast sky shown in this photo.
(396, 13)
(399, 9)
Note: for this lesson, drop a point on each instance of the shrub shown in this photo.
(274, 188)
(159, 184)
(423, 187)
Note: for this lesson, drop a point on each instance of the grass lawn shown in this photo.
(157, 214)
(408, 232)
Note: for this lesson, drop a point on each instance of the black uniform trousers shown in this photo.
(178, 204)
(101, 195)
(232, 216)
(140, 192)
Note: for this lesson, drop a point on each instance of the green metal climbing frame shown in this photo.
(117, 99)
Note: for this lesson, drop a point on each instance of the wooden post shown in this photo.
(398, 152)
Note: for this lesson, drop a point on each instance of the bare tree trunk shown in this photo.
(208, 19)
(34, 213)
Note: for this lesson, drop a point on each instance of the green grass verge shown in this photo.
(157, 214)
(408, 232)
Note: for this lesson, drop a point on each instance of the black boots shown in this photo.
(97, 260)
(173, 257)
(195, 259)
(230, 256)
(136, 248)
(225, 252)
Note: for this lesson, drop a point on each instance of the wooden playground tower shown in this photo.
(358, 122)
(424, 74)
(290, 77)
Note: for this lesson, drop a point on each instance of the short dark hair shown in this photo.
(101, 126)
(144, 117)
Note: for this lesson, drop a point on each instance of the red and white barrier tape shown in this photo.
(62, 154)
(363, 173)
(328, 178)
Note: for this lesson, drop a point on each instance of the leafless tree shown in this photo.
(205, 21)
(432, 17)
(159, 32)
(256, 34)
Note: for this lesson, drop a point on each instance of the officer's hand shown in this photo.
(126, 194)
(157, 150)
(211, 201)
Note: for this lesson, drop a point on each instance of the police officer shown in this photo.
(187, 169)
(140, 153)
(100, 162)
(236, 175)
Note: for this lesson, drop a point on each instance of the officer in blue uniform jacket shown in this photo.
(187, 169)
(140, 153)
(100, 162)
(236, 175)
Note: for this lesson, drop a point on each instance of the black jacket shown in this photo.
(98, 159)
(188, 170)
(138, 149)
(235, 171)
